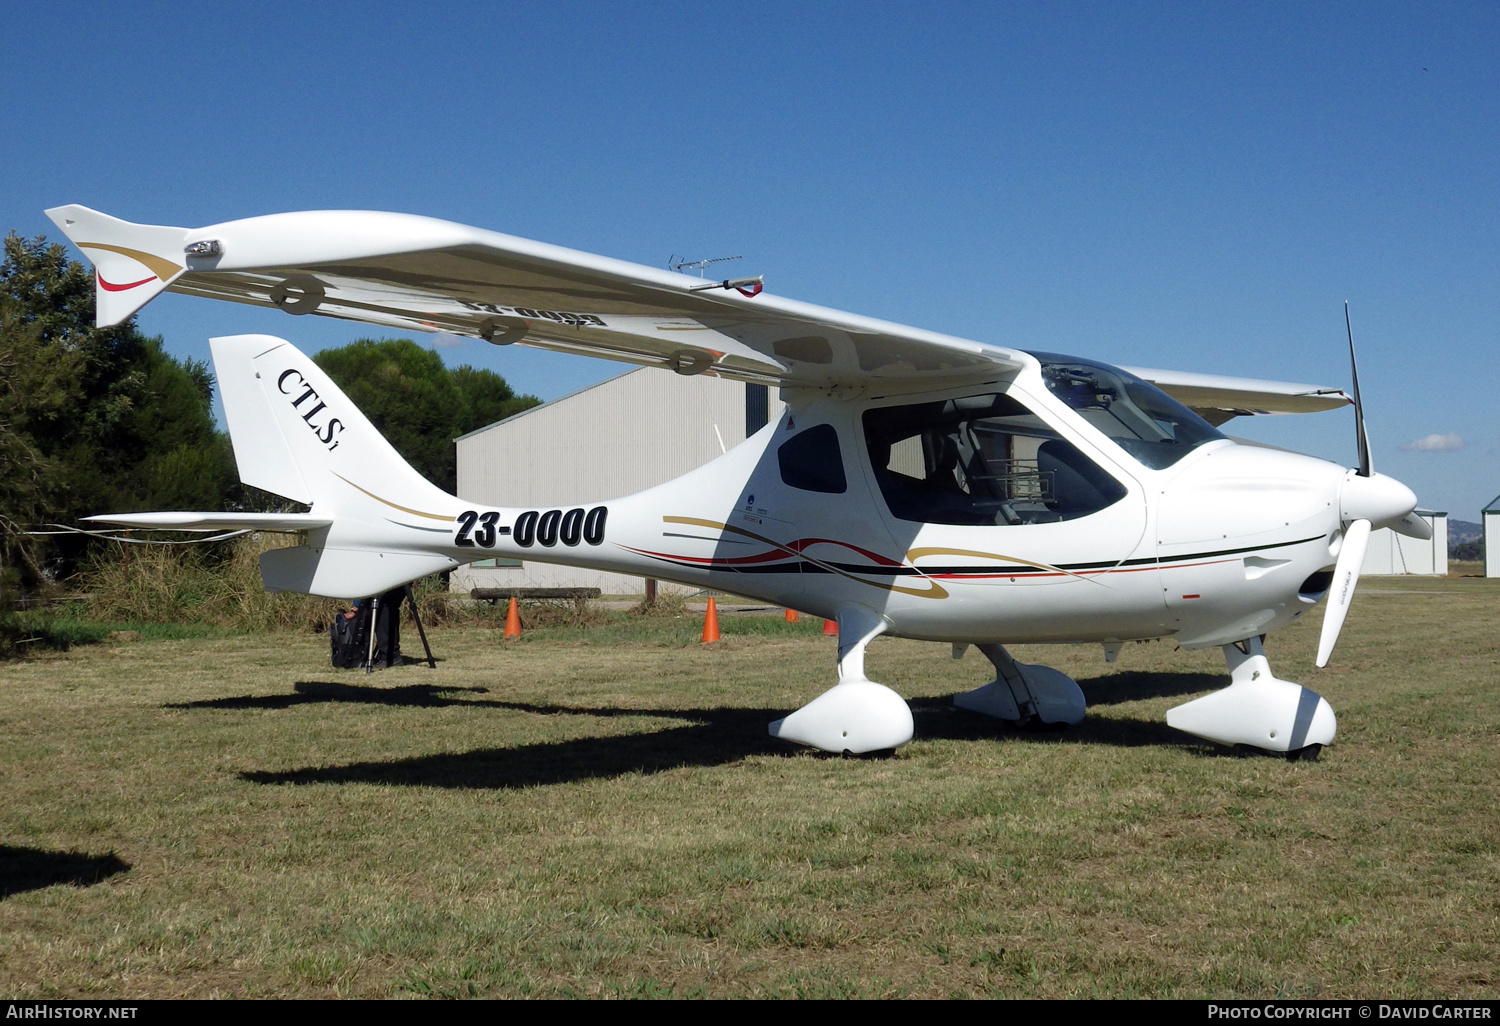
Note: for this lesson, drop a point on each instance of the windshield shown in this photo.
(1142, 419)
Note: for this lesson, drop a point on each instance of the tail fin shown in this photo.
(295, 433)
(132, 262)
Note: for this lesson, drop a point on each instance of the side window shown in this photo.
(812, 462)
(982, 459)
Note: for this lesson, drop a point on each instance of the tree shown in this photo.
(417, 403)
(96, 420)
(1466, 552)
(487, 398)
(35, 381)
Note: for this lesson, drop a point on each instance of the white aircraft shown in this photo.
(916, 485)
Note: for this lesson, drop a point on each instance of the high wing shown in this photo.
(1217, 398)
(425, 275)
(422, 274)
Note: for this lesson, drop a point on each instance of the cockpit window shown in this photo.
(981, 459)
(1142, 419)
(811, 461)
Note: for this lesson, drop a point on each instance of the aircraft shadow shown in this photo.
(939, 719)
(1133, 686)
(715, 738)
(306, 692)
(710, 737)
(31, 869)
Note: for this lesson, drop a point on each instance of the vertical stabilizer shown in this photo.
(295, 433)
(132, 262)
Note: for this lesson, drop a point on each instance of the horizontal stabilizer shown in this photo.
(133, 263)
(214, 521)
(345, 573)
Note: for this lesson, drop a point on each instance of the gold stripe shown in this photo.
(413, 512)
(915, 554)
(160, 266)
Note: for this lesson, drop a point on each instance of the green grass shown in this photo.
(597, 811)
(61, 627)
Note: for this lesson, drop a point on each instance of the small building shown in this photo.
(1390, 553)
(635, 431)
(1489, 539)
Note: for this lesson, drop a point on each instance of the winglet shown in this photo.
(132, 262)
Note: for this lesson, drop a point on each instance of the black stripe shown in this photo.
(999, 570)
(1231, 552)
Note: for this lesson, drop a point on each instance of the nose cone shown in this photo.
(1381, 500)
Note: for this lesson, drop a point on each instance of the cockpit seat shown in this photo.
(1078, 486)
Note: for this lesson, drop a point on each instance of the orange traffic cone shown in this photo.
(711, 623)
(512, 620)
(831, 627)
(791, 616)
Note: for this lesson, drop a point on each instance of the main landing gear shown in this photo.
(1024, 694)
(856, 715)
(1258, 710)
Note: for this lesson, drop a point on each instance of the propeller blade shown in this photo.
(1413, 526)
(1341, 594)
(1361, 439)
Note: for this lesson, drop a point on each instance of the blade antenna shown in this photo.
(1361, 439)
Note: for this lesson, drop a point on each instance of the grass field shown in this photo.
(599, 812)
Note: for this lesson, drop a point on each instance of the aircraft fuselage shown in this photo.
(1227, 542)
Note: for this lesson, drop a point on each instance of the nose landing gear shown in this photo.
(1258, 710)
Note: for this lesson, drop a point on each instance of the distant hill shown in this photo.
(1463, 540)
(1462, 531)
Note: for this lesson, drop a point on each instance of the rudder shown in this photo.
(295, 433)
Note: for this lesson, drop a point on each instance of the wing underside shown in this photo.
(1220, 398)
(423, 275)
(420, 274)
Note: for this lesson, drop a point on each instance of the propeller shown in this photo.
(1361, 439)
(1341, 594)
(1365, 500)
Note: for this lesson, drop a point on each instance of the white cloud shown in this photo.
(443, 340)
(1434, 443)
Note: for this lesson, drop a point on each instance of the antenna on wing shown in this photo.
(750, 287)
(700, 264)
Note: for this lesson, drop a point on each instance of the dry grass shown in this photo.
(218, 587)
(598, 811)
(221, 588)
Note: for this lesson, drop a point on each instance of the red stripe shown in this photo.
(112, 287)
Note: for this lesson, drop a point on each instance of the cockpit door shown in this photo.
(999, 491)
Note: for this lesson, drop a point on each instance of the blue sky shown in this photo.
(1193, 186)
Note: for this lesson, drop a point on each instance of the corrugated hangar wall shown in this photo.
(1390, 553)
(1489, 539)
(615, 438)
